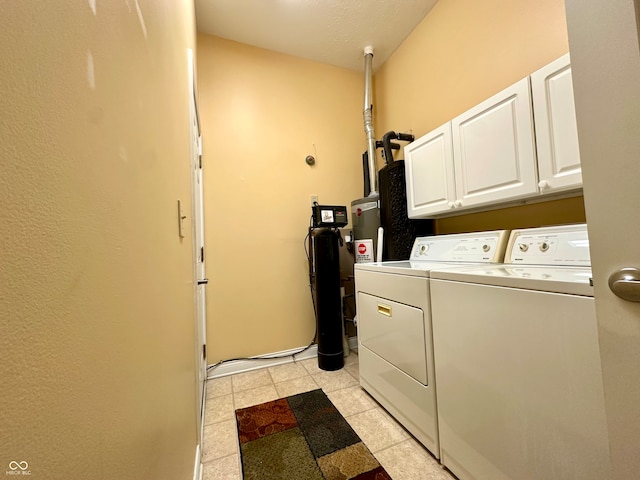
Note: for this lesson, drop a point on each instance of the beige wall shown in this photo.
(97, 362)
(463, 52)
(262, 113)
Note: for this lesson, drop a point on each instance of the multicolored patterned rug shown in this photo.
(302, 437)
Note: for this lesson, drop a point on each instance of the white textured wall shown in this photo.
(96, 296)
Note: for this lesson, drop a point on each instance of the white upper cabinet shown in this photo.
(556, 130)
(429, 173)
(494, 149)
(491, 155)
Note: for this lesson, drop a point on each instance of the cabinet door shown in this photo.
(556, 130)
(493, 149)
(429, 173)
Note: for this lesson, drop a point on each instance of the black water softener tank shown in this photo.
(326, 264)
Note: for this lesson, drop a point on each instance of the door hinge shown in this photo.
(202, 254)
(204, 351)
(200, 161)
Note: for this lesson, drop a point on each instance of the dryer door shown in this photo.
(395, 332)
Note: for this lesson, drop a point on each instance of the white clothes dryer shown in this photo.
(394, 325)
(517, 360)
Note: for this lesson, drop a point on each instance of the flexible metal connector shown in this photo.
(368, 119)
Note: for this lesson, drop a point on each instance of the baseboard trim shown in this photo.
(197, 469)
(241, 366)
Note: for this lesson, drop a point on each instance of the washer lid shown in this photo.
(569, 280)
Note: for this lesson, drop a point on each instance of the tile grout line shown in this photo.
(271, 377)
(361, 412)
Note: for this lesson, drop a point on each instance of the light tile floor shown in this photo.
(396, 450)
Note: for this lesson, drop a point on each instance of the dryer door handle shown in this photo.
(384, 309)
(625, 283)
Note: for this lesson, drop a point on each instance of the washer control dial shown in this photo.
(544, 246)
(523, 247)
(486, 248)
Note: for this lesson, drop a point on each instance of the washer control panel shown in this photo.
(480, 247)
(562, 245)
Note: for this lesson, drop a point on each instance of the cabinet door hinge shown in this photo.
(202, 254)
(204, 351)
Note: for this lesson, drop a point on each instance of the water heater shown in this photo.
(365, 217)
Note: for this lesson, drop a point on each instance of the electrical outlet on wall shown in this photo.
(314, 199)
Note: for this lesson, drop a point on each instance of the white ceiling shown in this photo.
(327, 31)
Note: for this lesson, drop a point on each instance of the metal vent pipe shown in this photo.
(368, 119)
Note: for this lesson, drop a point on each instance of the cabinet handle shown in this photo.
(452, 205)
(543, 185)
(458, 203)
(384, 310)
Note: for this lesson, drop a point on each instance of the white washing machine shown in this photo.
(517, 361)
(394, 325)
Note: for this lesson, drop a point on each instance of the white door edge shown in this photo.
(197, 245)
